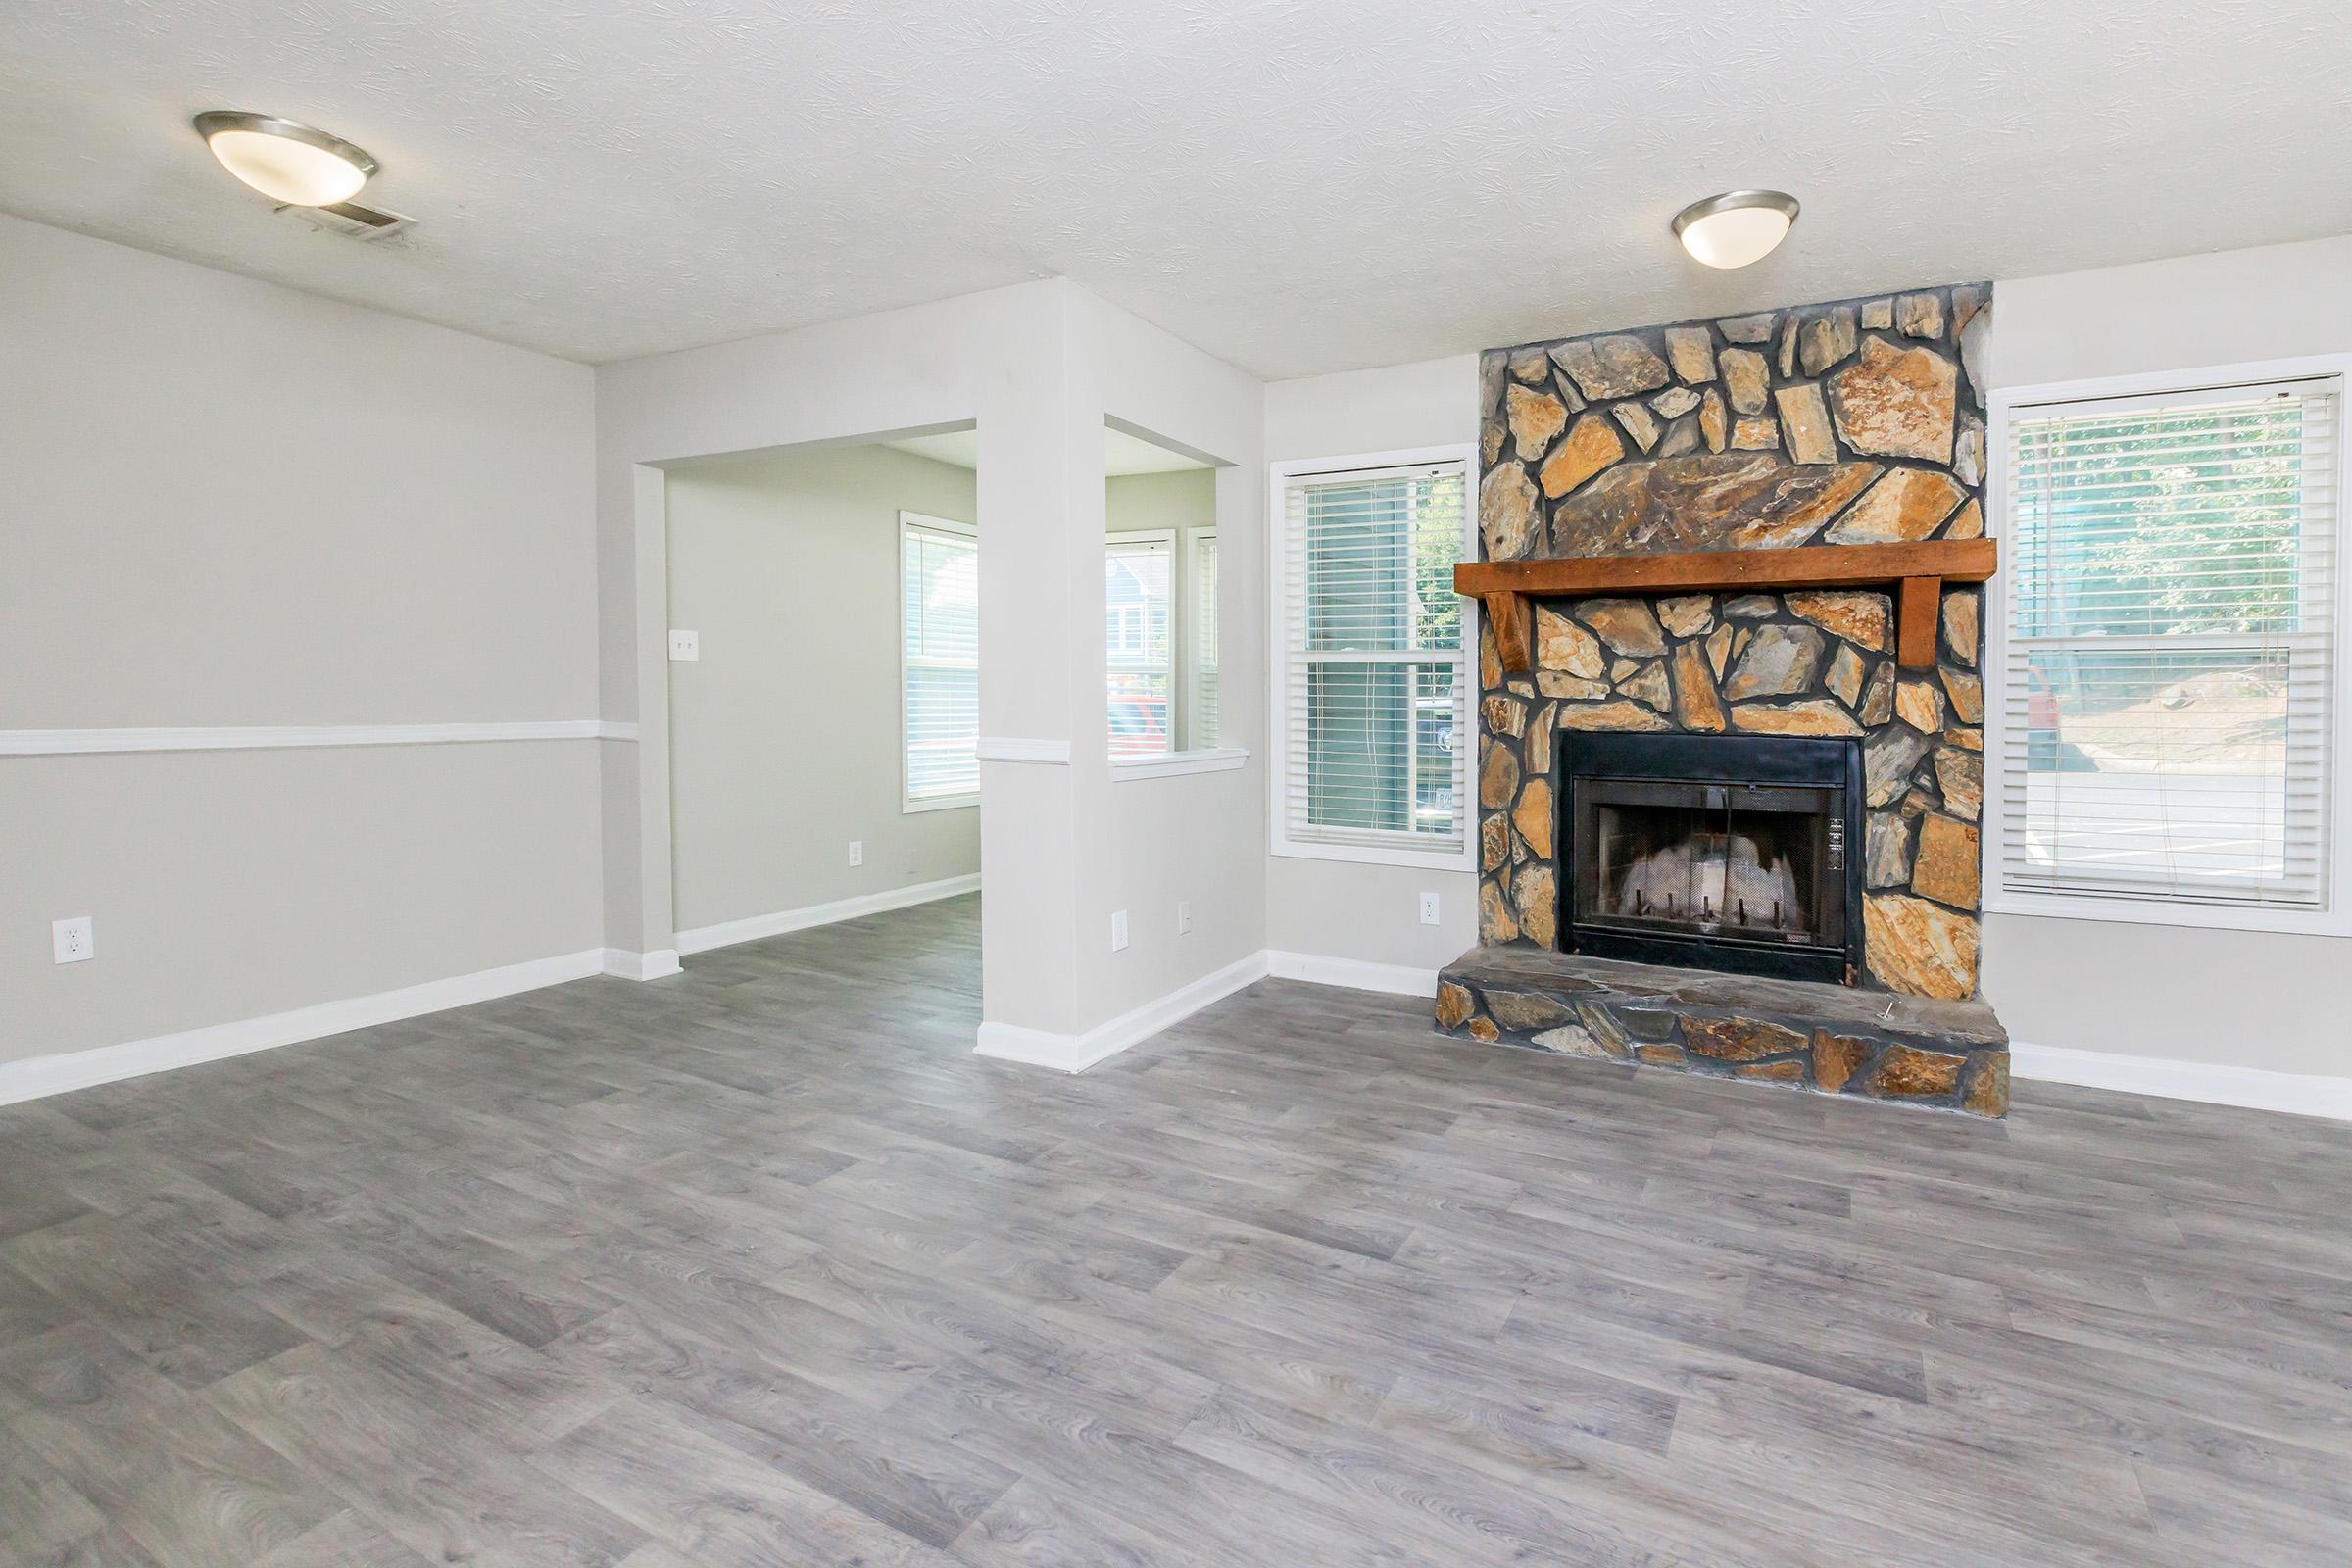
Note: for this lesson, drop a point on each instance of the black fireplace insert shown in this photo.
(1740, 853)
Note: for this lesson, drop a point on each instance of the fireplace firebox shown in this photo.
(1733, 852)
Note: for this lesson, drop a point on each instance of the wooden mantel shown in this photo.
(1916, 571)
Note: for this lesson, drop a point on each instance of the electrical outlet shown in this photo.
(1184, 919)
(685, 646)
(1118, 930)
(856, 851)
(75, 940)
(1429, 908)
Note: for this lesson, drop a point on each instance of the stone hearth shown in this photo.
(1802, 1034)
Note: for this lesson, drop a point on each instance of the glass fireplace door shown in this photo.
(1740, 853)
(1745, 862)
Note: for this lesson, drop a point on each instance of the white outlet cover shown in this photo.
(74, 941)
(1118, 930)
(1184, 918)
(685, 646)
(1429, 908)
(856, 851)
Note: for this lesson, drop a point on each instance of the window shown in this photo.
(939, 600)
(1139, 640)
(2166, 727)
(1372, 755)
(1201, 723)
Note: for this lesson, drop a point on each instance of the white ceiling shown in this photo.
(1122, 454)
(1295, 187)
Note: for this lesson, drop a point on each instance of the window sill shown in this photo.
(946, 803)
(1172, 764)
(2181, 914)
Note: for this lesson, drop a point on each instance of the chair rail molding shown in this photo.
(1024, 749)
(295, 737)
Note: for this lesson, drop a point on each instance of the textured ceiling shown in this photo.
(1294, 186)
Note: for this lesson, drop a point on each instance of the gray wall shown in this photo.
(229, 504)
(1185, 499)
(2240, 999)
(785, 734)
(1038, 368)
(1339, 908)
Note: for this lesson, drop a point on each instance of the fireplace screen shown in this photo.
(1717, 852)
(1709, 858)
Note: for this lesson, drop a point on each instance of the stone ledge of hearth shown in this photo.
(1918, 1051)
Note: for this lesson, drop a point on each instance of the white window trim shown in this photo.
(1278, 774)
(1194, 757)
(908, 805)
(1999, 899)
(1188, 559)
(1175, 764)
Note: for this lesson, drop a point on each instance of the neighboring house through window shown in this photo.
(1139, 640)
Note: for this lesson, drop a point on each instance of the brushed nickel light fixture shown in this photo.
(1737, 227)
(285, 160)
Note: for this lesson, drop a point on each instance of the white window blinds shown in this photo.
(1200, 616)
(2167, 685)
(939, 568)
(1373, 662)
(1138, 640)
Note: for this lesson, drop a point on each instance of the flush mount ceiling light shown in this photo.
(1737, 227)
(284, 160)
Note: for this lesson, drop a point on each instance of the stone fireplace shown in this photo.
(1737, 831)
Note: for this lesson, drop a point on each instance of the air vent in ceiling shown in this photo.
(351, 220)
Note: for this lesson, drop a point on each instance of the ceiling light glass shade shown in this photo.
(286, 161)
(1736, 229)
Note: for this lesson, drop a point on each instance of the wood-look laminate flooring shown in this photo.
(759, 1265)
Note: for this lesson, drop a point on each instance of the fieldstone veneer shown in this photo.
(1853, 423)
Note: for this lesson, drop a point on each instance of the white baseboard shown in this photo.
(1357, 974)
(2211, 1083)
(37, 1076)
(2253, 1087)
(727, 933)
(627, 966)
(1040, 1048)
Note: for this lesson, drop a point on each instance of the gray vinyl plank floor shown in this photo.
(759, 1265)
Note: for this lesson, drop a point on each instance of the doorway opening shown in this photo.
(824, 685)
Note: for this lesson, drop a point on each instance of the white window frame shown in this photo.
(1279, 477)
(1189, 660)
(2002, 407)
(908, 804)
(1197, 756)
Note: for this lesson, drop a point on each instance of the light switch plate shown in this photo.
(1184, 919)
(1118, 930)
(685, 646)
(74, 941)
